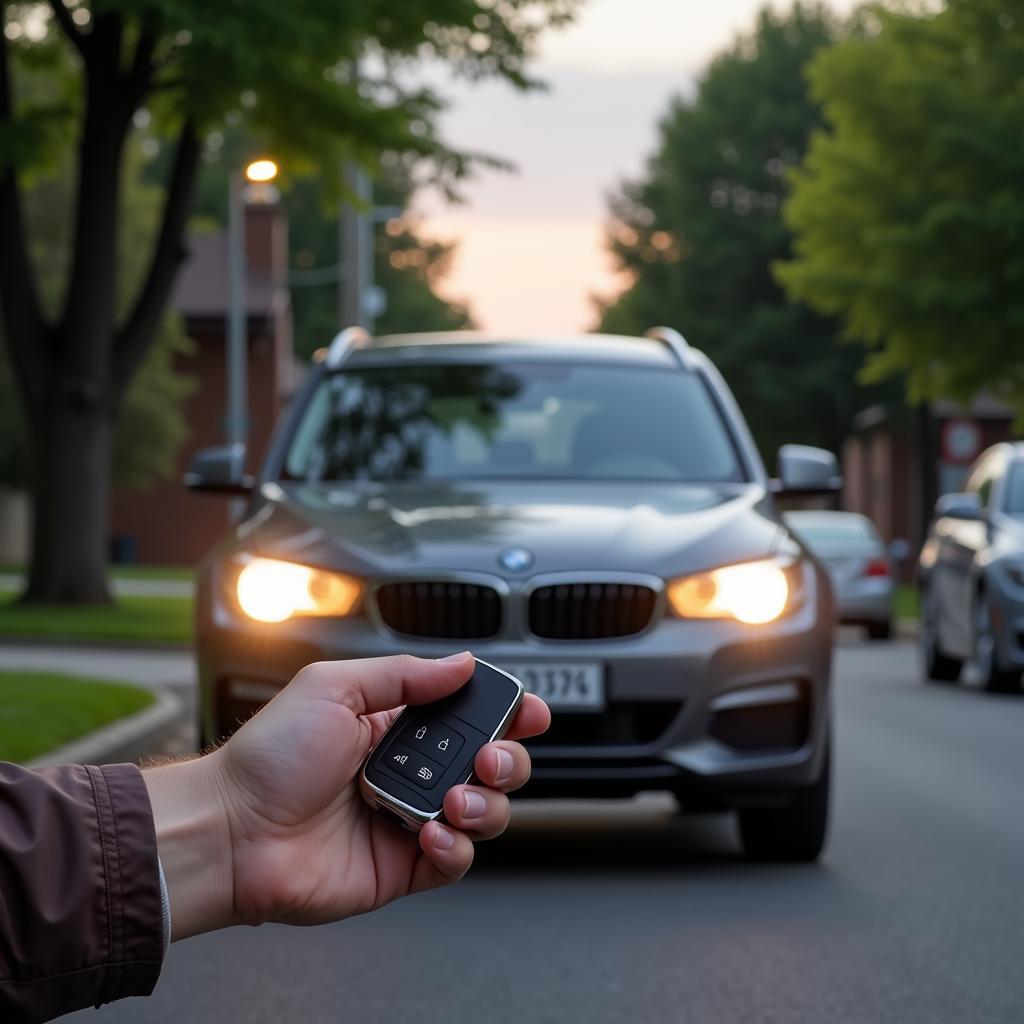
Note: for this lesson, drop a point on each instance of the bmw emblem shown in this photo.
(516, 559)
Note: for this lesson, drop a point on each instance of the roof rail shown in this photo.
(674, 341)
(344, 342)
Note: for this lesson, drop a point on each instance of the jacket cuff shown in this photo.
(132, 877)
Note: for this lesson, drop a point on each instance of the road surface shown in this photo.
(595, 913)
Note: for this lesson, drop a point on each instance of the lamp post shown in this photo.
(236, 427)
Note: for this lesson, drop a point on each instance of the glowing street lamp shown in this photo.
(261, 170)
(259, 173)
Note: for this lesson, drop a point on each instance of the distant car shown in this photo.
(858, 564)
(971, 573)
(589, 513)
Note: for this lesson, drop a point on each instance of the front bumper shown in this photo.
(720, 713)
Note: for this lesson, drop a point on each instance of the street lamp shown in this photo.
(260, 173)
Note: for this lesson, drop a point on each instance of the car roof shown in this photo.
(471, 346)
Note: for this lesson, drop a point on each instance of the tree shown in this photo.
(407, 267)
(151, 427)
(909, 209)
(290, 71)
(699, 233)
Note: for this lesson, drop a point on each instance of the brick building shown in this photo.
(165, 524)
(896, 463)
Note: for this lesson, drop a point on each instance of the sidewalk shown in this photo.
(122, 587)
(165, 730)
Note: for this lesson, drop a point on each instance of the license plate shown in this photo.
(571, 685)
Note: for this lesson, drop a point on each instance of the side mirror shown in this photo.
(899, 549)
(219, 471)
(958, 506)
(804, 471)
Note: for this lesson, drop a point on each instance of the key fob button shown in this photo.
(413, 766)
(435, 739)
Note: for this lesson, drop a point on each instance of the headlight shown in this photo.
(1015, 570)
(269, 590)
(751, 592)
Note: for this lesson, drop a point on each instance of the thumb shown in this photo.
(379, 684)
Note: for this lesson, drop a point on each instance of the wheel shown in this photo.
(880, 630)
(794, 833)
(936, 664)
(994, 677)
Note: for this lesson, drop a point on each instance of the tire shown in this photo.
(880, 630)
(794, 833)
(937, 666)
(994, 677)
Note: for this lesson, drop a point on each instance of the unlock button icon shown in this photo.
(443, 745)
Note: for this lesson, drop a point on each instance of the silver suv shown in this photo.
(589, 513)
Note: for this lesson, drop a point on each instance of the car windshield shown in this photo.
(1015, 491)
(513, 420)
(839, 529)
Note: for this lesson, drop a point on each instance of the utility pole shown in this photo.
(235, 427)
(355, 255)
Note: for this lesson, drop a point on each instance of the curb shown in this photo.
(125, 740)
(92, 642)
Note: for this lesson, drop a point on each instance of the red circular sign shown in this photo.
(961, 441)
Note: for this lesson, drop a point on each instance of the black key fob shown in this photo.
(431, 747)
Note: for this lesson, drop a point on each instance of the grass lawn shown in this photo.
(127, 572)
(40, 711)
(908, 602)
(139, 620)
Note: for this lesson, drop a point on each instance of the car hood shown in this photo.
(390, 529)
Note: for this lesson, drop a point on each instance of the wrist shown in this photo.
(193, 839)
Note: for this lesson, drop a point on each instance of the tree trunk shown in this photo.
(71, 484)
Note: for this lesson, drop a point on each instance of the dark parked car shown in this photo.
(588, 513)
(971, 574)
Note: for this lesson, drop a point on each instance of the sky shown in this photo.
(531, 252)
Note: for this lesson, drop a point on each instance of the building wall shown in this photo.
(167, 524)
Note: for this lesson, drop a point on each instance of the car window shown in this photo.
(1014, 502)
(518, 420)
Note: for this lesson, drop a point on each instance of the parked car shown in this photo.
(857, 562)
(971, 573)
(588, 513)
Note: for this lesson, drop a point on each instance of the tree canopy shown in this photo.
(321, 82)
(699, 232)
(908, 209)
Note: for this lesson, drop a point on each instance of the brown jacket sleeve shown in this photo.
(80, 908)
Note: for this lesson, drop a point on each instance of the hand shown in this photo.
(271, 826)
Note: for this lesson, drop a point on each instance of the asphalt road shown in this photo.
(596, 913)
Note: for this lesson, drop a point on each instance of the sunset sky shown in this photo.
(531, 242)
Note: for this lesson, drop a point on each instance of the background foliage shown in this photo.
(699, 232)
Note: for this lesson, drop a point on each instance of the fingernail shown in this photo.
(504, 765)
(455, 657)
(443, 839)
(474, 804)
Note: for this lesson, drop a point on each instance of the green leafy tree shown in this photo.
(699, 233)
(909, 209)
(289, 71)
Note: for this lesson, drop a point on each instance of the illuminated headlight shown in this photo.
(750, 592)
(269, 590)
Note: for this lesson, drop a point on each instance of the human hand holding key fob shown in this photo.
(430, 748)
